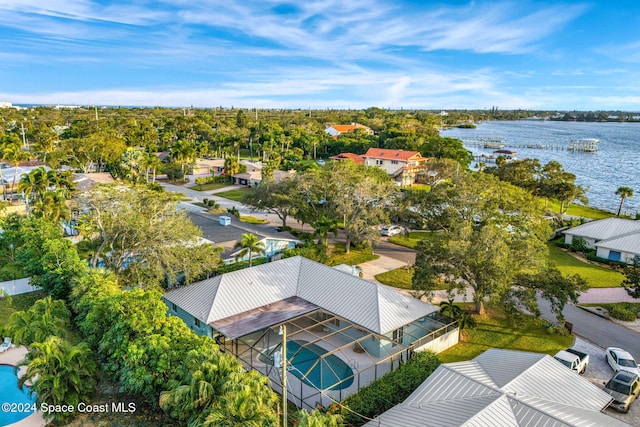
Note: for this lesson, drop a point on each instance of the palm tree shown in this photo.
(623, 192)
(60, 373)
(45, 318)
(52, 205)
(205, 372)
(247, 401)
(250, 245)
(322, 227)
(32, 184)
(14, 154)
(448, 308)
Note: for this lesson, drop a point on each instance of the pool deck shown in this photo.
(11, 357)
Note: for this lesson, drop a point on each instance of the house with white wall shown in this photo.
(402, 165)
(615, 239)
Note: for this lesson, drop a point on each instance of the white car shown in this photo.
(391, 230)
(621, 360)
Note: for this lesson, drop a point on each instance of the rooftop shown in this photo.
(377, 308)
(505, 388)
(605, 228)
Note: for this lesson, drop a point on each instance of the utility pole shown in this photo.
(283, 332)
(24, 139)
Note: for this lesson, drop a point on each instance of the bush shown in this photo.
(579, 245)
(391, 389)
(591, 256)
(622, 313)
(234, 211)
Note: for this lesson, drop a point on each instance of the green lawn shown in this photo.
(398, 278)
(211, 186)
(236, 194)
(411, 240)
(497, 332)
(252, 219)
(595, 275)
(578, 210)
(354, 257)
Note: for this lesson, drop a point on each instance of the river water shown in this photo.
(615, 164)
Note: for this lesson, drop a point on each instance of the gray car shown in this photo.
(624, 387)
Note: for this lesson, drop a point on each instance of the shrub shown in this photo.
(579, 245)
(391, 389)
(234, 211)
(622, 313)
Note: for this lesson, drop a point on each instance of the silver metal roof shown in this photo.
(502, 388)
(627, 243)
(377, 308)
(605, 228)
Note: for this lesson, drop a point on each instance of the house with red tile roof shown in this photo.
(399, 164)
(336, 130)
(356, 158)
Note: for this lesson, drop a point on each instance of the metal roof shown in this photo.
(502, 388)
(627, 243)
(377, 308)
(605, 228)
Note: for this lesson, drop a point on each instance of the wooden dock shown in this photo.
(589, 145)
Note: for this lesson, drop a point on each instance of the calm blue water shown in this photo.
(325, 374)
(10, 393)
(617, 162)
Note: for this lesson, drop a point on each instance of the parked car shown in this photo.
(624, 387)
(621, 360)
(391, 230)
(575, 360)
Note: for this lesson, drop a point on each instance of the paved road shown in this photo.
(384, 247)
(597, 330)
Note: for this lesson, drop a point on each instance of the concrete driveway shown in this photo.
(599, 372)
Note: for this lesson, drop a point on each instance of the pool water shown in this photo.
(326, 374)
(11, 394)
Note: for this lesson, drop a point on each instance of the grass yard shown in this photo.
(252, 219)
(595, 275)
(498, 332)
(211, 186)
(354, 257)
(399, 278)
(578, 210)
(235, 195)
(411, 240)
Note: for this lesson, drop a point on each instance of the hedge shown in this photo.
(390, 389)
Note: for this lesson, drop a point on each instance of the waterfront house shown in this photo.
(502, 388)
(616, 239)
(342, 332)
(402, 165)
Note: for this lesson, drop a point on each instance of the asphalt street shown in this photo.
(596, 329)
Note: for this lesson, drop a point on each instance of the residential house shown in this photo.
(253, 178)
(335, 130)
(502, 388)
(616, 239)
(341, 332)
(402, 165)
(355, 158)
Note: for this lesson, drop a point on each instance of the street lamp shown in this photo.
(283, 333)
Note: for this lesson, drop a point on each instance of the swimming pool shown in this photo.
(20, 402)
(326, 373)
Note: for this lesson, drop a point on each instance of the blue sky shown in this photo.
(322, 53)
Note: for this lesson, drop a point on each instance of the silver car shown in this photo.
(391, 230)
